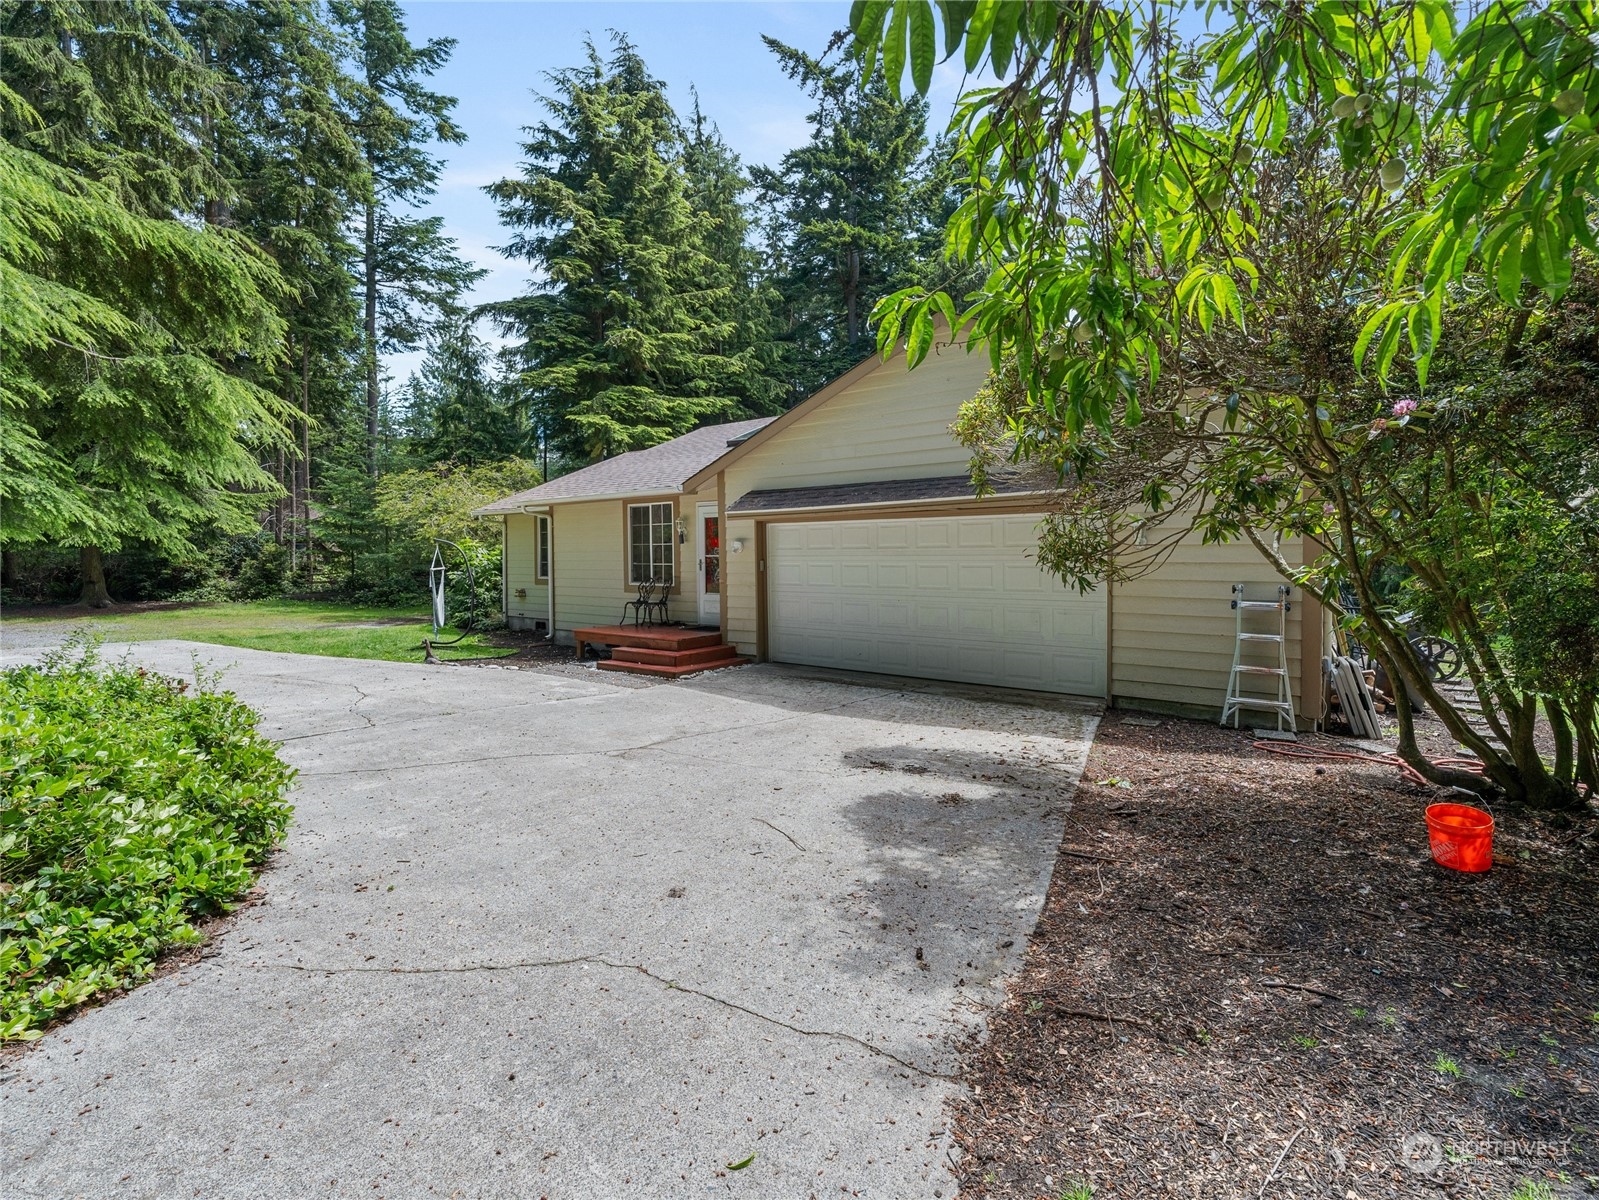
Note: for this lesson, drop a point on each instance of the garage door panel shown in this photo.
(894, 616)
(857, 535)
(896, 658)
(856, 613)
(821, 574)
(979, 620)
(820, 537)
(976, 577)
(1025, 578)
(1076, 625)
(955, 598)
(978, 533)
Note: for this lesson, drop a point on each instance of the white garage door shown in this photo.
(938, 598)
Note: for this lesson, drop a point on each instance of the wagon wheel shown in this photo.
(1440, 654)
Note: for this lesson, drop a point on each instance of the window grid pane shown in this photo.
(651, 535)
(661, 543)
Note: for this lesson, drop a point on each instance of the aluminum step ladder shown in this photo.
(1256, 642)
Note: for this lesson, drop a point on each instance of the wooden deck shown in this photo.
(648, 637)
(669, 650)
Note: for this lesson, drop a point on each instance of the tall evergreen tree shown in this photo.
(625, 339)
(149, 427)
(715, 183)
(410, 272)
(113, 91)
(848, 214)
(456, 408)
(122, 420)
(288, 146)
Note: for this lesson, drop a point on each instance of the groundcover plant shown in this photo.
(132, 806)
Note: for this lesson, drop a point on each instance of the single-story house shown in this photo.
(845, 533)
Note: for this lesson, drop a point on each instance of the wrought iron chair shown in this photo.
(658, 606)
(640, 607)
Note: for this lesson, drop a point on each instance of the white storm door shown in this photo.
(709, 566)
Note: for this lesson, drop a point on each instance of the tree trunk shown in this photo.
(373, 406)
(216, 207)
(94, 589)
(305, 461)
(277, 505)
(852, 287)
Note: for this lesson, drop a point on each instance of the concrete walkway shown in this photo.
(533, 935)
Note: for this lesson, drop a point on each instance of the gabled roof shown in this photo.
(799, 412)
(663, 468)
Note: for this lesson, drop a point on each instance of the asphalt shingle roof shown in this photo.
(661, 468)
(888, 491)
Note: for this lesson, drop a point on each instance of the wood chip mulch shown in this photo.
(1251, 980)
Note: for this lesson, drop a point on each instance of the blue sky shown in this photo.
(506, 47)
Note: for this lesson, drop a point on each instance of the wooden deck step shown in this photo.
(652, 637)
(705, 656)
(639, 668)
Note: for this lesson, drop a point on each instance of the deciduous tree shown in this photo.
(1222, 278)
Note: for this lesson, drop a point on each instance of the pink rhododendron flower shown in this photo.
(1404, 408)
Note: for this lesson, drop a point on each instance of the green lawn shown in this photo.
(295, 626)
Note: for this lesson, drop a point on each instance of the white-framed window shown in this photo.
(651, 542)
(541, 568)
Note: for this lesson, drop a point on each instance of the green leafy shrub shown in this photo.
(131, 805)
(485, 589)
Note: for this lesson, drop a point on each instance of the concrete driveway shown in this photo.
(537, 935)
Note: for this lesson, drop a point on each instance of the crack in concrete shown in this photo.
(775, 829)
(596, 960)
(363, 698)
(609, 751)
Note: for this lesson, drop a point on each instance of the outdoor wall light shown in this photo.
(738, 544)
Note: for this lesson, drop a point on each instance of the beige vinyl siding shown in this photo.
(590, 562)
(521, 566)
(739, 585)
(1172, 631)
(894, 424)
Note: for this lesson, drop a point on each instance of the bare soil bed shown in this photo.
(535, 653)
(1250, 979)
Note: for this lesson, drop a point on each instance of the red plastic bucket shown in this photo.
(1462, 837)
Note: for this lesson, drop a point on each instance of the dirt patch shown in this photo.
(82, 612)
(1251, 979)
(535, 653)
